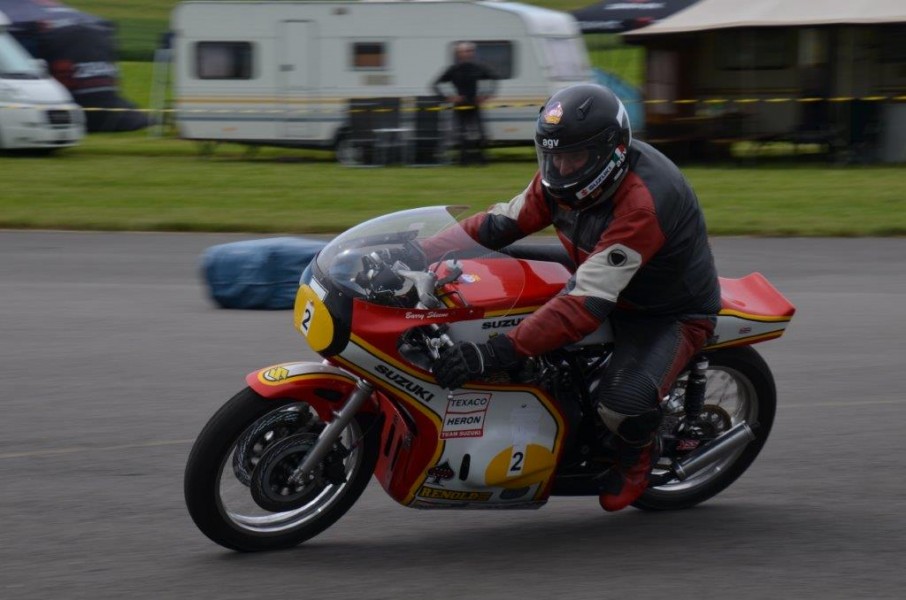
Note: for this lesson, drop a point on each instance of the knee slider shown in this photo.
(628, 405)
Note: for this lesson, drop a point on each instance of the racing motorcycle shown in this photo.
(288, 455)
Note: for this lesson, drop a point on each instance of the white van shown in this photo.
(289, 73)
(36, 111)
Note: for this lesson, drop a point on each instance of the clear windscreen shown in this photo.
(421, 258)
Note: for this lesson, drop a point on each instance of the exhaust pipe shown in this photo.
(734, 439)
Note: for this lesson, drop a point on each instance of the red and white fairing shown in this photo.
(483, 445)
(486, 445)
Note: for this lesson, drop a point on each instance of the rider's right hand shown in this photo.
(458, 364)
(465, 361)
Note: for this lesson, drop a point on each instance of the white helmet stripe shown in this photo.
(623, 120)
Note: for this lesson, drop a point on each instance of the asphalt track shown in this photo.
(112, 359)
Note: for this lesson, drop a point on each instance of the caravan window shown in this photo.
(369, 56)
(497, 55)
(565, 58)
(223, 60)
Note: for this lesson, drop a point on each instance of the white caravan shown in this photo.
(36, 111)
(293, 73)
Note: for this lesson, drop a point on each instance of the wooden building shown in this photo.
(830, 72)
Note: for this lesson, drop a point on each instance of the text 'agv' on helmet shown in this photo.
(582, 139)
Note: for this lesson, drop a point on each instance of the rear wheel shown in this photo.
(740, 389)
(238, 482)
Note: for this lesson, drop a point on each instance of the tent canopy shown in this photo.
(614, 16)
(80, 50)
(726, 14)
(43, 15)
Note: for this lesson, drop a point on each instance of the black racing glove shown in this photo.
(466, 361)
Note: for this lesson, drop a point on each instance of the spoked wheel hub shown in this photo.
(272, 509)
(274, 485)
(703, 457)
(712, 422)
(260, 438)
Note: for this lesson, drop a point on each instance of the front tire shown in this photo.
(740, 388)
(217, 487)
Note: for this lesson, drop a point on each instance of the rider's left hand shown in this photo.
(410, 254)
(466, 361)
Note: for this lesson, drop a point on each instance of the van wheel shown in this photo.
(347, 154)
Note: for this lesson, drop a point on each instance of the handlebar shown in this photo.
(383, 274)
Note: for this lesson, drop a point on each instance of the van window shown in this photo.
(565, 59)
(496, 55)
(15, 62)
(223, 60)
(369, 56)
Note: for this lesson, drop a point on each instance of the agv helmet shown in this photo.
(582, 139)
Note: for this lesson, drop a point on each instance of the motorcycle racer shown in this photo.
(634, 227)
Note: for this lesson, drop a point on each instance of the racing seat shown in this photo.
(753, 295)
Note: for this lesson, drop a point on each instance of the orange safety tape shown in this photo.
(295, 110)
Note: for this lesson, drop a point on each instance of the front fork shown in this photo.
(331, 433)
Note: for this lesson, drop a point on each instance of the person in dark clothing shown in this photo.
(469, 85)
(634, 227)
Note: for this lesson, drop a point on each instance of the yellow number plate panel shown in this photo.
(311, 319)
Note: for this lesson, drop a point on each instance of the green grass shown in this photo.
(811, 201)
(132, 181)
(609, 54)
(135, 182)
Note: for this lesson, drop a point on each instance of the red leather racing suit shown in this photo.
(643, 260)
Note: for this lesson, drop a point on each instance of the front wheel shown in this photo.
(238, 481)
(740, 389)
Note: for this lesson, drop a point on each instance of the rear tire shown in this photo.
(739, 372)
(221, 504)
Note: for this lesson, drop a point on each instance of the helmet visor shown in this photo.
(564, 170)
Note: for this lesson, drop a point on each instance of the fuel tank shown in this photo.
(504, 285)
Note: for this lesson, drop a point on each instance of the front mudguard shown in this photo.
(324, 387)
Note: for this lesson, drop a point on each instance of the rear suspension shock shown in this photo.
(694, 398)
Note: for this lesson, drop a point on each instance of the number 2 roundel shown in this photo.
(518, 466)
(312, 319)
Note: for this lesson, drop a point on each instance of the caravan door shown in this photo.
(298, 79)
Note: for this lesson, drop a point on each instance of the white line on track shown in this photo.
(77, 450)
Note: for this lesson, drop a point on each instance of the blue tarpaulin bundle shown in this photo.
(261, 274)
(628, 94)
